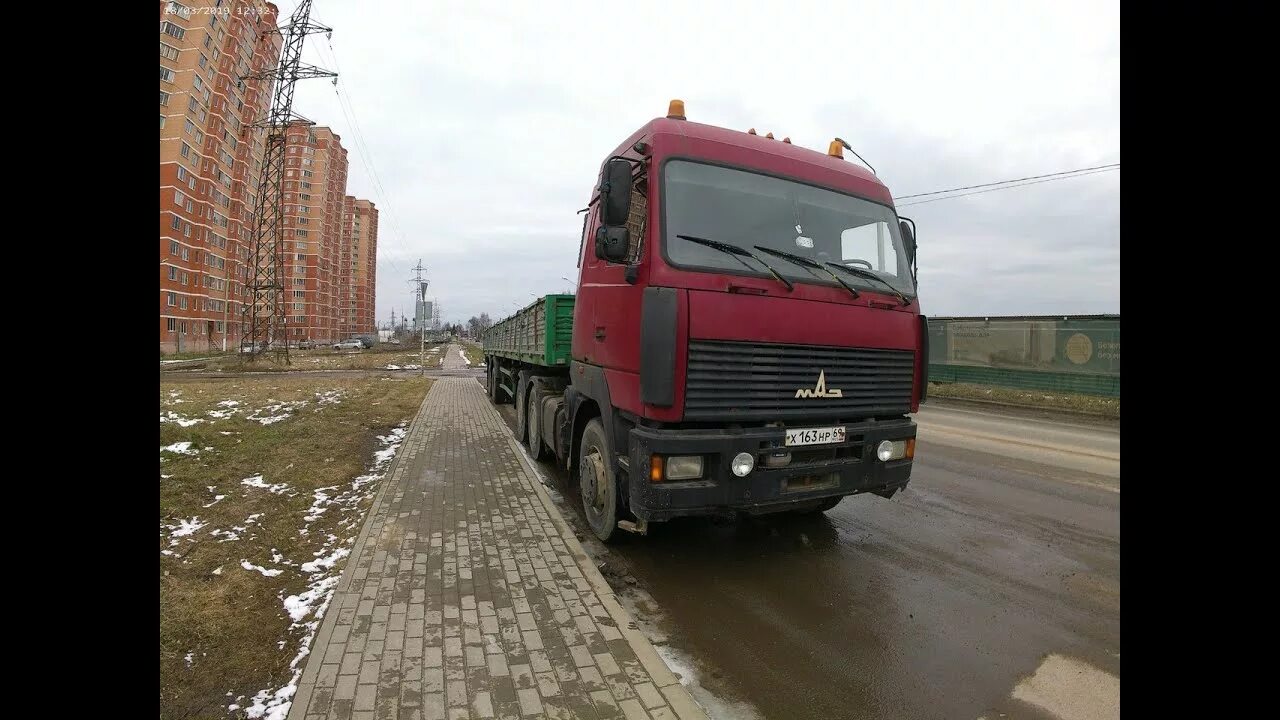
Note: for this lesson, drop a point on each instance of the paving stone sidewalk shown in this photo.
(468, 596)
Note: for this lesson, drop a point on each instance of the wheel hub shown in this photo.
(592, 476)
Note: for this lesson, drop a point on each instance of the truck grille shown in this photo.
(756, 381)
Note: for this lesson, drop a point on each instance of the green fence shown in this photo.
(1076, 354)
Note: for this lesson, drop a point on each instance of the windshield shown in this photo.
(746, 209)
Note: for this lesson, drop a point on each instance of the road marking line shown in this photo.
(1071, 689)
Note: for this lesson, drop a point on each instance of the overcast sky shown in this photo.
(486, 123)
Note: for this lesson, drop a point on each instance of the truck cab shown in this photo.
(746, 333)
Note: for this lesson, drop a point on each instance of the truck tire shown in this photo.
(596, 483)
(537, 449)
(522, 406)
(495, 392)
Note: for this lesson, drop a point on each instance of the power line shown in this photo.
(1005, 182)
(1006, 187)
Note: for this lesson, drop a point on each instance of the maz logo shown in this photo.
(820, 390)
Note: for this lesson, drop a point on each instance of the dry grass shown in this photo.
(377, 358)
(474, 352)
(233, 624)
(1105, 406)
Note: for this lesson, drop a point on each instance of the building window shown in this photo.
(173, 273)
(186, 253)
(173, 247)
(166, 74)
(219, 326)
(184, 278)
(175, 223)
(182, 303)
(164, 98)
(170, 324)
(186, 150)
(168, 52)
(174, 31)
(182, 326)
(161, 122)
(172, 299)
(203, 60)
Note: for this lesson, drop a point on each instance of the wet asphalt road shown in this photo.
(1001, 558)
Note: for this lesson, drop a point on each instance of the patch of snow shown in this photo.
(218, 570)
(189, 658)
(167, 551)
(173, 417)
(165, 477)
(185, 527)
(463, 356)
(217, 499)
(391, 367)
(279, 411)
(229, 535)
(325, 562)
(229, 403)
(256, 481)
(250, 566)
(330, 397)
(180, 448)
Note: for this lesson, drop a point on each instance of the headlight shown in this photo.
(743, 464)
(684, 467)
(895, 449)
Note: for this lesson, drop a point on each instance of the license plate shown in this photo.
(815, 436)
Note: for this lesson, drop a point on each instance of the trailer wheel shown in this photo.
(495, 390)
(522, 405)
(537, 448)
(597, 484)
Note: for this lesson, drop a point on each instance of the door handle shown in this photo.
(600, 333)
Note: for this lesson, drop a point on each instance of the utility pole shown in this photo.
(268, 321)
(420, 317)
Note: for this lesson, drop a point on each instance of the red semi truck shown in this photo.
(745, 336)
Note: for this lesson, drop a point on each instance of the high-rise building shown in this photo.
(358, 276)
(315, 183)
(210, 159)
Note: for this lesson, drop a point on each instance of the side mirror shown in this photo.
(615, 192)
(908, 239)
(612, 243)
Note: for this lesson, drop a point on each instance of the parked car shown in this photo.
(306, 344)
(352, 344)
(365, 340)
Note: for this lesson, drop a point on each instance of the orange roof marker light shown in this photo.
(751, 131)
(675, 110)
(786, 140)
(836, 149)
(770, 136)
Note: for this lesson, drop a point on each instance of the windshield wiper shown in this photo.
(807, 263)
(737, 251)
(872, 276)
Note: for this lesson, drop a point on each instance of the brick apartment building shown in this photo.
(358, 265)
(210, 160)
(209, 163)
(315, 183)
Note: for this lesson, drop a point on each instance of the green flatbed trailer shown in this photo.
(538, 334)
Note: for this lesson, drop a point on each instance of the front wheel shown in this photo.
(597, 484)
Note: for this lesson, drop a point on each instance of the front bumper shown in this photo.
(815, 472)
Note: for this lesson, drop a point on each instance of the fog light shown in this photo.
(743, 464)
(684, 467)
(891, 450)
